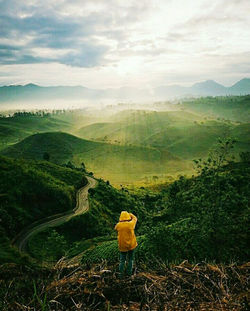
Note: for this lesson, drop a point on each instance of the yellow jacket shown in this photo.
(126, 235)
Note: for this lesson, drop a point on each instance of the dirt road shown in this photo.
(82, 205)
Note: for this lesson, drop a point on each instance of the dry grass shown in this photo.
(178, 287)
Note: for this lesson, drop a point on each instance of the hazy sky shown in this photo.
(114, 43)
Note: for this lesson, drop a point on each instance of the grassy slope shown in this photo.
(147, 143)
(15, 128)
(235, 108)
(135, 127)
(184, 134)
(188, 142)
(106, 160)
(29, 191)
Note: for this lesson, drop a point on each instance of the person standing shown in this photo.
(126, 241)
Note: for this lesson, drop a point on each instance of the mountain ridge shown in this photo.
(33, 91)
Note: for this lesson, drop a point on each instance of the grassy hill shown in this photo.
(29, 191)
(114, 162)
(135, 127)
(183, 134)
(195, 140)
(235, 108)
(13, 129)
(130, 145)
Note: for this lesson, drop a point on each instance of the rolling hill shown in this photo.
(13, 129)
(114, 162)
(185, 135)
(234, 108)
(136, 127)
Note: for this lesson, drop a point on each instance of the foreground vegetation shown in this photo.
(177, 287)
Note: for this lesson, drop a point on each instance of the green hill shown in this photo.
(114, 162)
(130, 145)
(183, 134)
(192, 141)
(235, 108)
(13, 129)
(29, 191)
(136, 126)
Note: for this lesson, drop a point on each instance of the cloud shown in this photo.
(89, 34)
(127, 42)
(52, 32)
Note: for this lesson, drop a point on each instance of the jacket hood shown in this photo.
(124, 216)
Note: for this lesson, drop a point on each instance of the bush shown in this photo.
(109, 252)
(204, 218)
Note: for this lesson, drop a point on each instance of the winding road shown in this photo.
(82, 205)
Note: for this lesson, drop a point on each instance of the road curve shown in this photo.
(82, 205)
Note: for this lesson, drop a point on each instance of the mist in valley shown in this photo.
(129, 143)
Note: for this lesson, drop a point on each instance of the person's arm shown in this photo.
(134, 219)
(116, 226)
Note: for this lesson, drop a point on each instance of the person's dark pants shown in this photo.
(129, 256)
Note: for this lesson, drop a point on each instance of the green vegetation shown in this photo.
(137, 126)
(106, 204)
(20, 125)
(202, 218)
(112, 161)
(195, 218)
(205, 217)
(184, 135)
(108, 251)
(144, 146)
(48, 245)
(29, 191)
(234, 108)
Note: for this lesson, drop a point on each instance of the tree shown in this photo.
(219, 156)
(245, 156)
(56, 245)
(83, 167)
(46, 156)
(70, 165)
(211, 170)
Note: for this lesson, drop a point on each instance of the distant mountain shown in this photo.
(31, 91)
(36, 92)
(241, 87)
(208, 87)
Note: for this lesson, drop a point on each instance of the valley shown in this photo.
(192, 215)
(143, 145)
